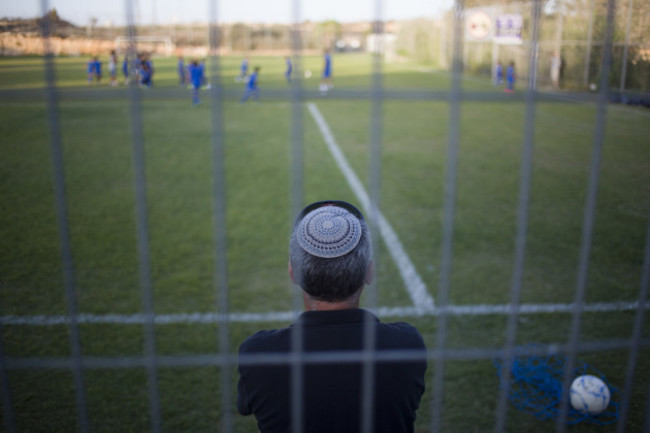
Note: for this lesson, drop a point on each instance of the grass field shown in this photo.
(99, 171)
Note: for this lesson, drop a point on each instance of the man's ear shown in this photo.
(293, 280)
(370, 273)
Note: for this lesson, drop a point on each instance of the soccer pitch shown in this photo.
(96, 136)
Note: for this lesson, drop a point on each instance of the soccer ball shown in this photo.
(307, 73)
(592, 87)
(589, 395)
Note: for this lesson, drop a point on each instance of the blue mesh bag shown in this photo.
(536, 388)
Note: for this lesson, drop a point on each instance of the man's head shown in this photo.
(330, 251)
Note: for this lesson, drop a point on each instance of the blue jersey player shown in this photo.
(243, 70)
(251, 86)
(204, 83)
(498, 74)
(510, 78)
(98, 70)
(289, 70)
(94, 70)
(125, 69)
(182, 80)
(196, 71)
(326, 79)
(90, 70)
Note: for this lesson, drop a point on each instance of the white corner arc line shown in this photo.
(416, 288)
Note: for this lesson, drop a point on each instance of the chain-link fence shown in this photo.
(442, 44)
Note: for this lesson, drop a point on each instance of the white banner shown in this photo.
(509, 29)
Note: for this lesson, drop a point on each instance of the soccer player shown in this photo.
(289, 70)
(90, 70)
(143, 74)
(150, 69)
(243, 70)
(145, 71)
(182, 80)
(498, 74)
(125, 70)
(251, 86)
(510, 78)
(326, 80)
(137, 67)
(205, 83)
(98, 70)
(196, 79)
(112, 68)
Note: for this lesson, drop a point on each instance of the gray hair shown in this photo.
(331, 279)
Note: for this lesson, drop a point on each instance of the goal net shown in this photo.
(152, 44)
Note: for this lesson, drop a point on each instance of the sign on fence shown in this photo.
(509, 29)
(478, 26)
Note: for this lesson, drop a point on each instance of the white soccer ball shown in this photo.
(592, 87)
(308, 73)
(589, 394)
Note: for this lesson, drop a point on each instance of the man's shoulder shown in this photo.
(269, 340)
(402, 327)
(402, 334)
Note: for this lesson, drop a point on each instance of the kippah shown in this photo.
(328, 232)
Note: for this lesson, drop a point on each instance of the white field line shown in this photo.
(416, 288)
(287, 316)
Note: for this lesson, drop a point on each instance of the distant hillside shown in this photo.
(34, 26)
(25, 37)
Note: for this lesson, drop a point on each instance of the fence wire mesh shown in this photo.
(440, 353)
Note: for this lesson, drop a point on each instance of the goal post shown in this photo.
(155, 44)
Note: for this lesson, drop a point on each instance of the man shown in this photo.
(331, 260)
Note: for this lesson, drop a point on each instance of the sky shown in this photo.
(80, 12)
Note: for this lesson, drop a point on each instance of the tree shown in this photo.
(330, 31)
(52, 15)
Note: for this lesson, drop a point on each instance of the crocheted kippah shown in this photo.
(328, 232)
